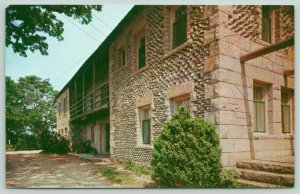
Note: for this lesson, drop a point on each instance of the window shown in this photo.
(121, 54)
(179, 26)
(285, 112)
(259, 108)
(92, 134)
(178, 102)
(59, 110)
(145, 122)
(267, 23)
(66, 132)
(65, 105)
(141, 52)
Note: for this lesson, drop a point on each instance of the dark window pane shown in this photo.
(286, 119)
(266, 24)
(260, 116)
(141, 53)
(258, 93)
(146, 131)
(179, 27)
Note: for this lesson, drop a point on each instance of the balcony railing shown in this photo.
(97, 99)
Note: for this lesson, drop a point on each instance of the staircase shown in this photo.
(274, 173)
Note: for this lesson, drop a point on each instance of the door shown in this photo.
(107, 138)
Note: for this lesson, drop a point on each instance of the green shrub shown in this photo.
(10, 148)
(52, 142)
(86, 148)
(62, 146)
(228, 179)
(187, 153)
(27, 142)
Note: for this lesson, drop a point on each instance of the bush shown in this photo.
(86, 148)
(51, 142)
(10, 148)
(27, 142)
(228, 179)
(62, 146)
(187, 153)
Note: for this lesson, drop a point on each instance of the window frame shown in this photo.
(288, 104)
(143, 120)
(255, 103)
(178, 99)
(122, 56)
(59, 109)
(270, 15)
(65, 105)
(140, 37)
(179, 36)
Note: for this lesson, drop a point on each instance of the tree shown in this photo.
(187, 153)
(14, 119)
(30, 110)
(27, 25)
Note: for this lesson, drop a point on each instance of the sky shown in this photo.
(66, 57)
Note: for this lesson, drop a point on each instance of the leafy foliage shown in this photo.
(27, 25)
(85, 147)
(29, 111)
(10, 148)
(187, 153)
(228, 179)
(51, 142)
(14, 117)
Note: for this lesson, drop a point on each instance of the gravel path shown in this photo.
(34, 170)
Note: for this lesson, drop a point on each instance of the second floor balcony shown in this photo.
(95, 100)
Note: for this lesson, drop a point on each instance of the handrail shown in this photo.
(91, 101)
(89, 94)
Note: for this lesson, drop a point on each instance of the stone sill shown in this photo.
(178, 48)
(140, 70)
(144, 147)
(264, 136)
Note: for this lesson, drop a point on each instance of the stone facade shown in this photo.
(205, 69)
(165, 69)
(231, 85)
(62, 114)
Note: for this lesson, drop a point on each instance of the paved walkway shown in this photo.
(34, 170)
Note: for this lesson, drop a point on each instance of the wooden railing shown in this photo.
(98, 98)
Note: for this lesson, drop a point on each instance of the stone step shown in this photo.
(254, 184)
(268, 166)
(267, 177)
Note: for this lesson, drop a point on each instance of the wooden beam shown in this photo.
(268, 49)
(289, 72)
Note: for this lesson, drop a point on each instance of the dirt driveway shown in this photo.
(35, 170)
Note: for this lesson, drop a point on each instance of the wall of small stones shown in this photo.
(164, 69)
(287, 21)
(246, 21)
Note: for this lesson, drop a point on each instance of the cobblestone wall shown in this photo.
(164, 68)
(246, 21)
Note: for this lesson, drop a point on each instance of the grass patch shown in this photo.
(136, 169)
(114, 175)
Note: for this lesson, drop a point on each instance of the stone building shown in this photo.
(231, 64)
